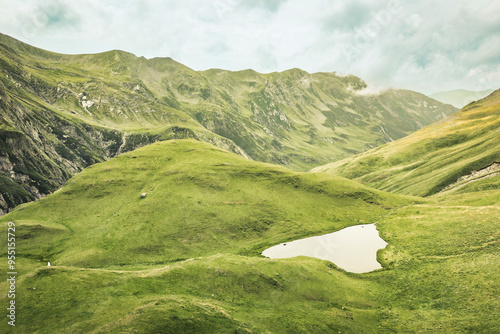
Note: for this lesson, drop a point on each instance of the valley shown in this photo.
(142, 195)
(186, 257)
(433, 158)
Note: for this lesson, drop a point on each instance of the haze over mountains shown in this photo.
(61, 113)
(460, 98)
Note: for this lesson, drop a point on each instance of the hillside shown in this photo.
(207, 214)
(460, 98)
(204, 198)
(61, 113)
(185, 258)
(441, 157)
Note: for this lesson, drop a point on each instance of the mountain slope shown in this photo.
(189, 248)
(200, 201)
(44, 141)
(442, 156)
(74, 110)
(185, 258)
(460, 98)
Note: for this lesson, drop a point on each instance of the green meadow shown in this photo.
(186, 257)
(62, 113)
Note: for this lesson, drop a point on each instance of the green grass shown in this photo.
(253, 110)
(208, 295)
(206, 217)
(442, 257)
(70, 111)
(201, 200)
(185, 259)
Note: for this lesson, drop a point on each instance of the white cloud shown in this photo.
(422, 45)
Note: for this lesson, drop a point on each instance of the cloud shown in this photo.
(350, 16)
(269, 5)
(370, 89)
(422, 45)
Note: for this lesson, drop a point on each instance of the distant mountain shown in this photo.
(61, 113)
(450, 155)
(460, 97)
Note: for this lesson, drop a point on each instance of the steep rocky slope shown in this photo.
(60, 113)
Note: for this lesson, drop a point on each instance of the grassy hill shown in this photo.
(193, 242)
(185, 258)
(443, 156)
(62, 113)
(43, 138)
(200, 201)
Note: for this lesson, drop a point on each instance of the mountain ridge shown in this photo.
(99, 105)
(435, 158)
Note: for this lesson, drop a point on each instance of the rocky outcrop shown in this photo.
(476, 175)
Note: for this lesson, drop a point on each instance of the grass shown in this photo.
(442, 259)
(70, 111)
(201, 200)
(186, 257)
(217, 293)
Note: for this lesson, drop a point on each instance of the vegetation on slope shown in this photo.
(44, 140)
(187, 252)
(185, 258)
(442, 265)
(440, 155)
(200, 200)
(75, 110)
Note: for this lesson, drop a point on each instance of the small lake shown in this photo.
(353, 249)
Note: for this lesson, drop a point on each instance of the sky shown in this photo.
(422, 45)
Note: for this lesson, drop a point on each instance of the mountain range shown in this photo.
(462, 148)
(167, 239)
(61, 113)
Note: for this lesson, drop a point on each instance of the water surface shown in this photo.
(353, 249)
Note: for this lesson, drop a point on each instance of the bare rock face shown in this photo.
(38, 156)
(4, 207)
(5, 164)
